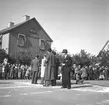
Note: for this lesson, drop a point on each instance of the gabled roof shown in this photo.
(9, 29)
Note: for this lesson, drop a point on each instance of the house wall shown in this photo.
(5, 42)
(43, 35)
(32, 39)
(0, 42)
(31, 45)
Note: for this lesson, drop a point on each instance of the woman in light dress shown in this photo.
(43, 65)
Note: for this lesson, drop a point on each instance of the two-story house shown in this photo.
(27, 36)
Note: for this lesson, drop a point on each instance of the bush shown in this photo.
(24, 58)
(2, 55)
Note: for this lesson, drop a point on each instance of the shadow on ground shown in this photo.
(6, 82)
(74, 85)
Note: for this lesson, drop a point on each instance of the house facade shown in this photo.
(0, 42)
(26, 37)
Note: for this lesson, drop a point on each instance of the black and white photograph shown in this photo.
(54, 52)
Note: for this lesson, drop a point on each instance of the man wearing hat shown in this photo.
(66, 68)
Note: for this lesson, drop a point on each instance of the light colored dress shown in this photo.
(43, 67)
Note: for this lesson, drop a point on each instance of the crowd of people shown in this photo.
(91, 72)
(14, 71)
(50, 68)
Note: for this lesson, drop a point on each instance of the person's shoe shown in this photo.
(53, 85)
(44, 85)
(69, 88)
(63, 87)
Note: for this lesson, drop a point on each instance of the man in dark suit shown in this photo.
(53, 68)
(35, 69)
(66, 69)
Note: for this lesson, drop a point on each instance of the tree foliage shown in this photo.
(24, 58)
(83, 58)
(104, 58)
(2, 55)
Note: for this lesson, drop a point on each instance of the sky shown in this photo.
(72, 24)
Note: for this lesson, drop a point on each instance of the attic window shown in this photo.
(21, 39)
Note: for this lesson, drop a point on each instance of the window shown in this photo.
(21, 39)
(42, 44)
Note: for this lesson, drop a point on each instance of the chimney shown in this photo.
(26, 17)
(10, 24)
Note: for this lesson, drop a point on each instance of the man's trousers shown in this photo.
(34, 77)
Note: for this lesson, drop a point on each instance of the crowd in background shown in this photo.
(91, 72)
(14, 71)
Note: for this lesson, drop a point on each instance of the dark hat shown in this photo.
(37, 56)
(65, 51)
(49, 49)
(54, 52)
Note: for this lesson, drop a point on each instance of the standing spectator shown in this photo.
(83, 73)
(35, 69)
(50, 69)
(57, 65)
(22, 72)
(66, 69)
(19, 71)
(53, 68)
(95, 72)
(43, 64)
(0, 71)
(11, 71)
(16, 71)
(90, 73)
(27, 73)
(102, 75)
(25, 70)
(6, 68)
(29, 76)
(78, 74)
(3, 71)
(106, 73)
(14, 76)
(73, 71)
